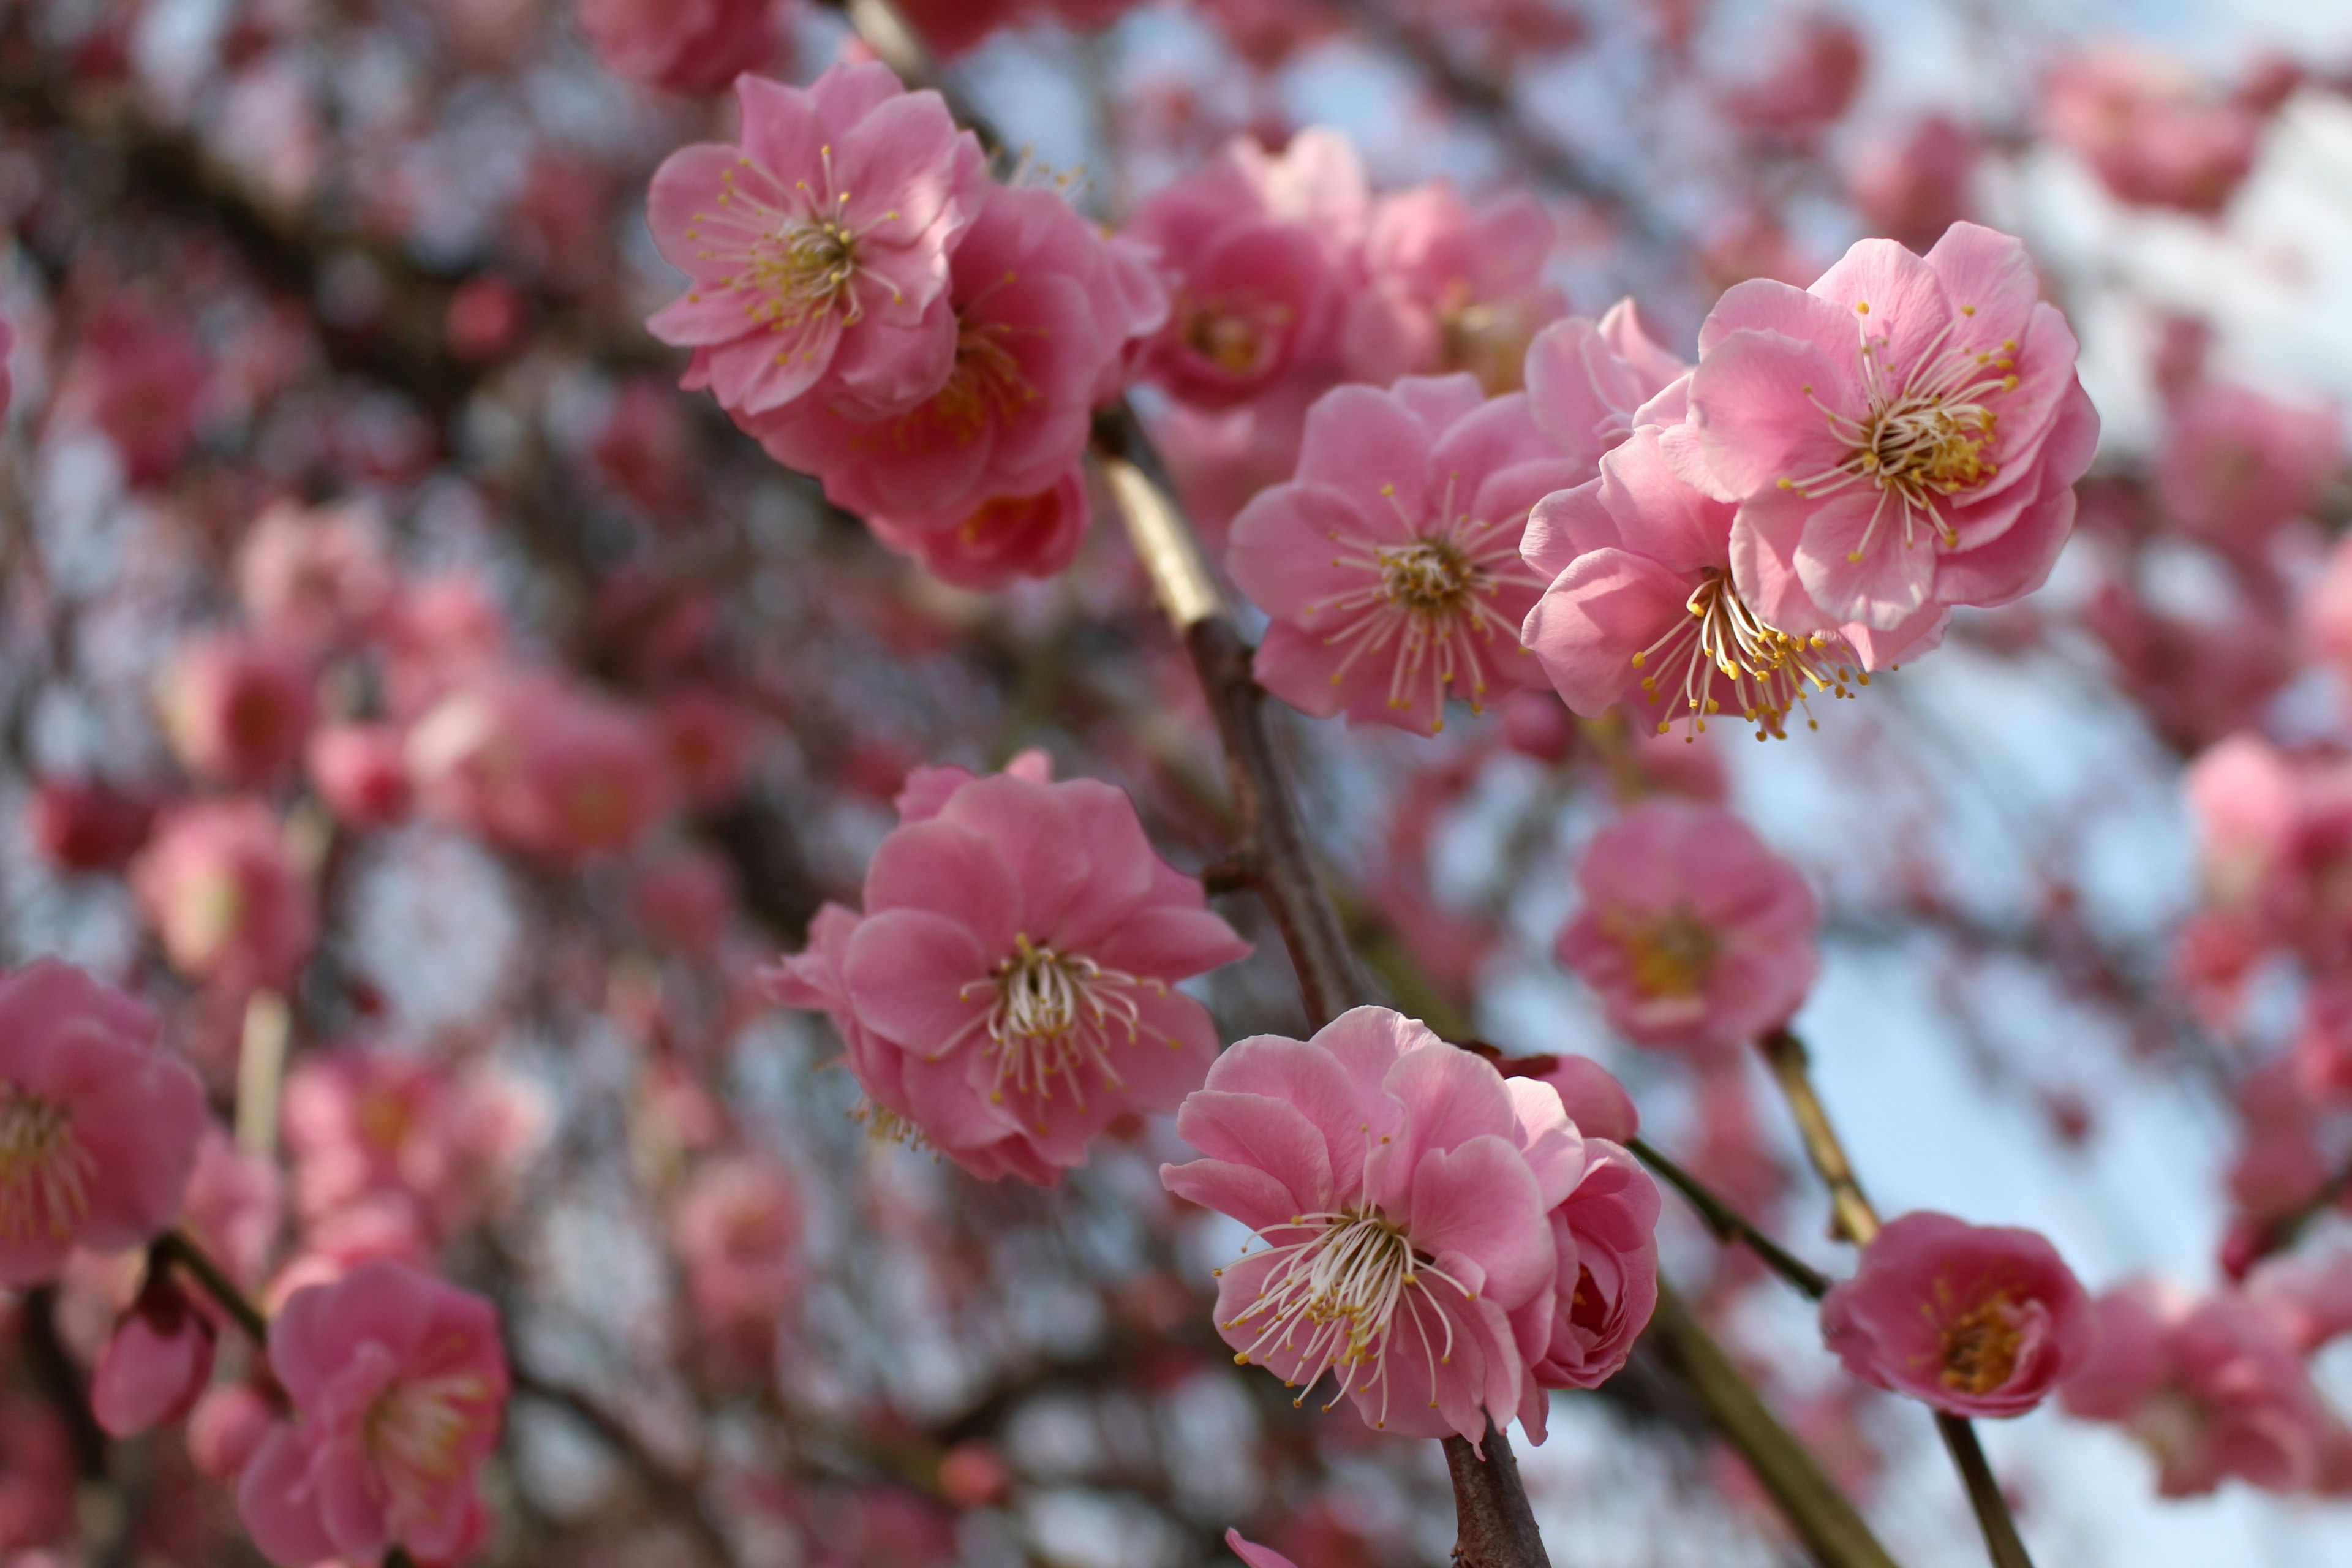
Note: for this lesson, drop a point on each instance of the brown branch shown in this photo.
(173, 1249)
(1497, 1530)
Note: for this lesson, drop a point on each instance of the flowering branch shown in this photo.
(1858, 1222)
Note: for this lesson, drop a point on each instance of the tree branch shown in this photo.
(1728, 1224)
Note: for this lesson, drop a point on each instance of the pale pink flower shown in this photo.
(2234, 463)
(1806, 82)
(1003, 539)
(1401, 1188)
(385, 1226)
(682, 45)
(1586, 379)
(737, 1228)
(537, 763)
(441, 631)
(98, 1126)
(1588, 1091)
(360, 1121)
(398, 1382)
(1912, 187)
(1973, 1320)
(1039, 319)
(1450, 287)
(316, 577)
(2276, 832)
(1390, 564)
(361, 772)
(2213, 1389)
(155, 1364)
(818, 248)
(1604, 1236)
(2152, 129)
(1694, 933)
(236, 709)
(221, 889)
(1644, 607)
(1018, 950)
(1905, 434)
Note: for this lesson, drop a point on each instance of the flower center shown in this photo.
(1673, 956)
(1428, 578)
(45, 1173)
(416, 1431)
(1240, 336)
(1057, 1014)
(1335, 1298)
(1980, 1347)
(985, 387)
(1767, 668)
(797, 264)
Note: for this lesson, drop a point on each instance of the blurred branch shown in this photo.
(174, 1249)
(676, 1492)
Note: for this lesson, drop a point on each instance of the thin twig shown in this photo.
(1728, 1224)
(174, 1249)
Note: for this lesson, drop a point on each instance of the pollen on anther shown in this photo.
(1862, 307)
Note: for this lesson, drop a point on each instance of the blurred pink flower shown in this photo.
(221, 889)
(541, 764)
(442, 630)
(818, 248)
(1588, 1091)
(738, 1230)
(155, 1364)
(398, 1382)
(684, 899)
(1401, 1188)
(1586, 379)
(1002, 538)
(1806, 82)
(1424, 489)
(361, 772)
(235, 1207)
(97, 1125)
(37, 1474)
(142, 379)
(2150, 127)
(315, 577)
(1973, 1320)
(1905, 434)
(1913, 187)
(682, 46)
(1450, 287)
(2234, 463)
(1695, 934)
(236, 708)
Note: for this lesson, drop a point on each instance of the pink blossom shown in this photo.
(1696, 936)
(1390, 565)
(1009, 983)
(2213, 1389)
(1645, 606)
(98, 1126)
(1450, 287)
(818, 248)
(645, 450)
(1401, 1188)
(1586, 379)
(1973, 1320)
(222, 891)
(2153, 130)
(1256, 252)
(88, 825)
(2309, 1293)
(2276, 843)
(1806, 83)
(1588, 1091)
(682, 46)
(1913, 187)
(1604, 1237)
(547, 767)
(397, 1382)
(37, 1474)
(142, 379)
(441, 631)
(1039, 318)
(155, 1364)
(314, 577)
(812, 980)
(1003, 539)
(2234, 463)
(684, 899)
(708, 740)
(360, 1121)
(227, 1423)
(361, 772)
(1904, 435)
(738, 1229)
(237, 709)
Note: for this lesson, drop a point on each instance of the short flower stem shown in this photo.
(1728, 1224)
(174, 1249)
(1785, 1053)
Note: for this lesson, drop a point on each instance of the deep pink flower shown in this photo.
(2153, 130)
(1587, 379)
(684, 899)
(88, 825)
(812, 980)
(1401, 1188)
(314, 577)
(98, 1126)
(682, 45)
(1973, 1320)
(539, 764)
(1450, 287)
(1694, 933)
(1806, 84)
(1645, 606)
(397, 1382)
(707, 739)
(360, 771)
(7, 347)
(223, 894)
(818, 248)
(1904, 433)
(1604, 1237)
(1390, 564)
(143, 379)
(1017, 951)
(2213, 1389)
(738, 1229)
(155, 1364)
(2234, 463)
(237, 709)
(1039, 318)
(1003, 539)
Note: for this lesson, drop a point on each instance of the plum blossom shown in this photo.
(223, 894)
(818, 248)
(88, 825)
(1972, 1320)
(1401, 1191)
(1390, 564)
(1605, 1244)
(155, 1364)
(98, 1126)
(1913, 187)
(2150, 127)
(236, 709)
(1904, 435)
(1587, 379)
(361, 772)
(738, 1225)
(1450, 287)
(314, 577)
(1008, 989)
(682, 45)
(1255, 1555)
(1695, 934)
(397, 1382)
(2235, 463)
(1001, 539)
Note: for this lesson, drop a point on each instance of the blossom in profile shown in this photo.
(236, 708)
(679, 45)
(817, 249)
(2214, 1389)
(1009, 986)
(223, 894)
(1605, 1246)
(1695, 935)
(2152, 129)
(1586, 381)
(1002, 539)
(1402, 1203)
(397, 1382)
(1450, 287)
(98, 1126)
(1904, 435)
(155, 1364)
(1972, 1320)
(1390, 565)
